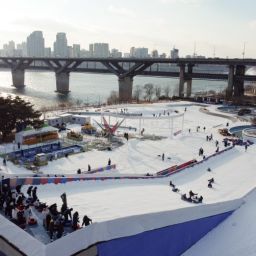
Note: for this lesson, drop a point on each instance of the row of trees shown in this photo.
(150, 91)
(16, 111)
(147, 92)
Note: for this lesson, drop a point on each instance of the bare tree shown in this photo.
(158, 90)
(137, 93)
(113, 98)
(167, 90)
(149, 91)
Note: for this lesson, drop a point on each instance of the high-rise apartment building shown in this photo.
(76, 50)
(47, 52)
(139, 52)
(21, 49)
(154, 54)
(174, 53)
(115, 53)
(60, 46)
(35, 44)
(100, 50)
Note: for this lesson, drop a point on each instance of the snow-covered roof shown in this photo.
(38, 131)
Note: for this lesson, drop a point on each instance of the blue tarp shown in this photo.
(168, 241)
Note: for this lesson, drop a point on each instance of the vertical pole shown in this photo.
(172, 129)
(139, 125)
(182, 122)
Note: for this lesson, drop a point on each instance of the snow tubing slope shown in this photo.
(161, 233)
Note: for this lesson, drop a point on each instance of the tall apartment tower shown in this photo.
(76, 50)
(174, 53)
(100, 50)
(60, 46)
(35, 44)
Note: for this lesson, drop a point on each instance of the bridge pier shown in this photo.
(189, 80)
(18, 78)
(239, 81)
(125, 88)
(62, 82)
(189, 87)
(230, 87)
(182, 80)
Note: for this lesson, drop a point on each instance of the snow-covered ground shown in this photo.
(142, 156)
(233, 171)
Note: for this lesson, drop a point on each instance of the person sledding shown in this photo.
(210, 181)
(197, 200)
(192, 194)
(171, 184)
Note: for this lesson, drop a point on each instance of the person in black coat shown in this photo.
(75, 221)
(86, 221)
(34, 195)
(29, 190)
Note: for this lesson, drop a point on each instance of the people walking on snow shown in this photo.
(216, 143)
(109, 161)
(204, 128)
(89, 168)
(217, 149)
(201, 151)
(4, 162)
(163, 157)
(245, 147)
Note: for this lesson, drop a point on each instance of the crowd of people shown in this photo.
(19, 208)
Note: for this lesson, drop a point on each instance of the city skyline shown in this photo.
(207, 27)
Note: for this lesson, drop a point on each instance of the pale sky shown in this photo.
(157, 24)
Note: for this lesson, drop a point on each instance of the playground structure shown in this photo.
(170, 118)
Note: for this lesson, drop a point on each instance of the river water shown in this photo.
(87, 88)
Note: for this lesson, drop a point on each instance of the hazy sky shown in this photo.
(221, 24)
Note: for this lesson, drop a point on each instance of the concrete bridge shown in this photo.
(186, 69)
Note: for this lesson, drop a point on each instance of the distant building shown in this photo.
(9, 49)
(60, 46)
(70, 52)
(22, 48)
(115, 53)
(100, 50)
(35, 44)
(132, 52)
(127, 55)
(174, 53)
(155, 54)
(140, 52)
(47, 52)
(76, 50)
(90, 50)
(85, 53)
(163, 55)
